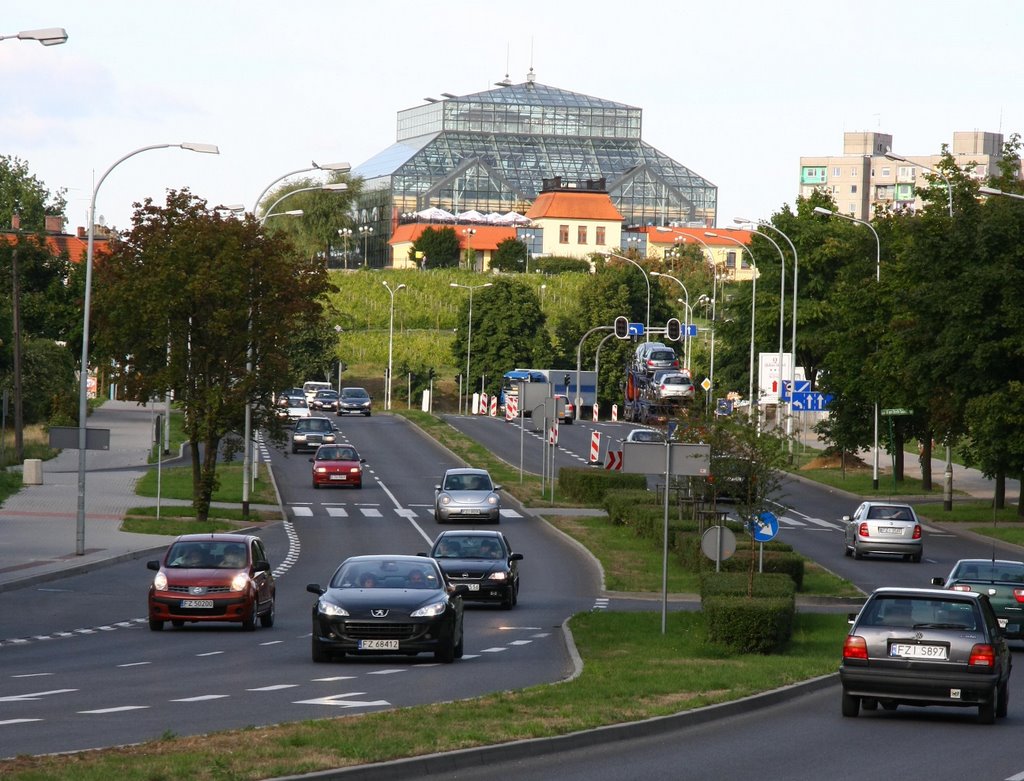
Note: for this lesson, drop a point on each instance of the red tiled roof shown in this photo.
(62, 242)
(668, 236)
(566, 204)
(487, 237)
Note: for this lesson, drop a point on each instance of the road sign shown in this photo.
(896, 412)
(648, 458)
(812, 401)
(66, 437)
(706, 384)
(764, 527)
(613, 460)
(635, 329)
(690, 330)
(724, 407)
(718, 543)
(799, 386)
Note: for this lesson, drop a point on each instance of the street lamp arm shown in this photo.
(647, 324)
(335, 167)
(48, 36)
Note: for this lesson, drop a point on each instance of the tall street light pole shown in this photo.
(878, 278)
(365, 231)
(83, 384)
(687, 316)
(391, 339)
(469, 334)
(647, 323)
(753, 314)
(714, 301)
(947, 488)
(345, 234)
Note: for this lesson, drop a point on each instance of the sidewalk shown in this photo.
(39, 524)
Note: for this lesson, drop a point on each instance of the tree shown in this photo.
(509, 255)
(324, 213)
(179, 302)
(508, 332)
(23, 194)
(440, 246)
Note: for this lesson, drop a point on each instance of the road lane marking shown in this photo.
(101, 711)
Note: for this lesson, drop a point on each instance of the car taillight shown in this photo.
(961, 587)
(982, 655)
(917, 531)
(863, 531)
(1018, 594)
(855, 647)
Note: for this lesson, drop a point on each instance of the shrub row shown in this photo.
(761, 625)
(591, 486)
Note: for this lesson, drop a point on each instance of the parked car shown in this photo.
(1001, 580)
(296, 408)
(658, 358)
(337, 465)
(883, 527)
(212, 577)
(481, 560)
(569, 409)
(309, 433)
(645, 435)
(354, 401)
(325, 400)
(675, 386)
(925, 647)
(387, 604)
(467, 495)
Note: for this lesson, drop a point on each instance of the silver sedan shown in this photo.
(884, 527)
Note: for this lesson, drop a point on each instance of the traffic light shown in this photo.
(566, 378)
(622, 327)
(672, 329)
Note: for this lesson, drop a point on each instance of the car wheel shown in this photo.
(460, 646)
(846, 549)
(987, 711)
(851, 705)
(267, 618)
(1002, 700)
(320, 654)
(515, 594)
(316, 484)
(249, 623)
(509, 599)
(446, 653)
(367, 413)
(156, 626)
(856, 552)
(916, 558)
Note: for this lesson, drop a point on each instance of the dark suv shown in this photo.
(910, 646)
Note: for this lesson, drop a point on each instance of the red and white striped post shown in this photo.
(595, 447)
(494, 406)
(615, 412)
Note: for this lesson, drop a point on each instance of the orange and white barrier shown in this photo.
(553, 434)
(615, 412)
(595, 447)
(494, 406)
(595, 412)
(482, 409)
(511, 407)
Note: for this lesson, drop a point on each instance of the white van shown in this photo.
(310, 389)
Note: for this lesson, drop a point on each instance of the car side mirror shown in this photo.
(938, 581)
(261, 566)
(153, 565)
(312, 460)
(314, 588)
(516, 557)
(362, 460)
(498, 487)
(424, 555)
(846, 518)
(437, 488)
(459, 589)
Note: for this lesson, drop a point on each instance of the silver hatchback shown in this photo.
(467, 495)
(883, 527)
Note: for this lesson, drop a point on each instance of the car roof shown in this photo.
(397, 557)
(874, 503)
(354, 388)
(215, 537)
(468, 533)
(938, 593)
(989, 561)
(465, 470)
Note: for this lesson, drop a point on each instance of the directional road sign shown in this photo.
(690, 330)
(764, 527)
(810, 401)
(636, 329)
(799, 386)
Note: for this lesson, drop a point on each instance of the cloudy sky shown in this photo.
(736, 90)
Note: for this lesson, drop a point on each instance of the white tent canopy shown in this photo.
(433, 214)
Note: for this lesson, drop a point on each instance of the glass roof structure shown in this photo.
(490, 151)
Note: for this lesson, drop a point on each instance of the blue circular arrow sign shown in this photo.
(764, 527)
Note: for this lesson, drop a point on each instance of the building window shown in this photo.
(853, 172)
(886, 172)
(581, 234)
(730, 259)
(563, 234)
(837, 171)
(812, 174)
(599, 235)
(853, 188)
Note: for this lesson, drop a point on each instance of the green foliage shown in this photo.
(769, 584)
(324, 213)
(509, 255)
(750, 625)
(590, 486)
(22, 193)
(440, 246)
(555, 265)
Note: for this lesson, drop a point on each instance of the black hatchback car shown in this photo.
(387, 604)
(482, 561)
(926, 647)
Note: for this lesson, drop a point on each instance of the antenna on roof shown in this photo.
(531, 77)
(505, 82)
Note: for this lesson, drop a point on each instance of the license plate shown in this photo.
(914, 651)
(473, 586)
(378, 645)
(1003, 622)
(197, 603)
(890, 530)
(337, 477)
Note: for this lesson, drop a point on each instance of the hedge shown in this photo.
(590, 486)
(760, 625)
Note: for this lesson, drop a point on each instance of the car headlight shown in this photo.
(498, 576)
(355, 470)
(492, 499)
(240, 582)
(330, 609)
(444, 499)
(321, 470)
(160, 582)
(429, 611)
(329, 438)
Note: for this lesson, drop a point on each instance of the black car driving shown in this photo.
(481, 560)
(387, 604)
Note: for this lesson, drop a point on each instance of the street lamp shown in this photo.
(647, 323)
(994, 191)
(469, 233)
(947, 489)
(365, 231)
(49, 36)
(527, 238)
(83, 384)
(469, 335)
(714, 302)
(878, 278)
(345, 233)
(542, 289)
(391, 338)
(753, 311)
(687, 316)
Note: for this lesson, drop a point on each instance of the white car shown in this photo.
(645, 435)
(883, 527)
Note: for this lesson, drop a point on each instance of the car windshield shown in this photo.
(1005, 571)
(900, 611)
(468, 547)
(314, 424)
(386, 573)
(470, 482)
(884, 513)
(207, 555)
(354, 393)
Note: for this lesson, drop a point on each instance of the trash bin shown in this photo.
(32, 471)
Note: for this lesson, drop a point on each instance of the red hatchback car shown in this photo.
(212, 577)
(336, 465)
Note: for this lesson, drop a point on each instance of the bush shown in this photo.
(759, 625)
(774, 561)
(561, 265)
(766, 584)
(590, 486)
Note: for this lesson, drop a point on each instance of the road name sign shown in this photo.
(897, 412)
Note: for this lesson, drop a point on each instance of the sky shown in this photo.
(736, 90)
